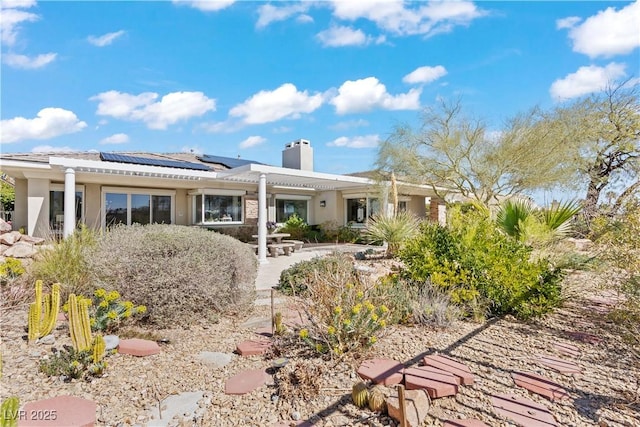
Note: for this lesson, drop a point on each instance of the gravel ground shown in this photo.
(606, 393)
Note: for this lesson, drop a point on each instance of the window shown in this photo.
(288, 207)
(56, 207)
(211, 208)
(137, 207)
(358, 210)
(402, 206)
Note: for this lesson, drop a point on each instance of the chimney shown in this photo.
(298, 155)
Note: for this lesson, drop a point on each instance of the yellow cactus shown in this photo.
(79, 323)
(360, 394)
(98, 348)
(377, 401)
(40, 325)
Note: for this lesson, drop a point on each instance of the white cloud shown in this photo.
(349, 124)
(568, 22)
(339, 36)
(252, 141)
(52, 149)
(205, 5)
(118, 138)
(365, 141)
(269, 106)
(11, 17)
(367, 94)
(425, 74)
(586, 80)
(172, 108)
(610, 32)
(269, 13)
(405, 18)
(304, 19)
(49, 123)
(106, 39)
(28, 63)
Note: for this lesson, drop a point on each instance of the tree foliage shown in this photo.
(454, 151)
(7, 196)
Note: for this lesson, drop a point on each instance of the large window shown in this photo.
(213, 208)
(361, 208)
(56, 207)
(137, 207)
(287, 207)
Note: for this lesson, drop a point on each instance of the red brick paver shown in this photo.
(138, 347)
(523, 411)
(464, 423)
(381, 371)
(567, 349)
(246, 381)
(450, 365)
(560, 365)
(253, 347)
(540, 385)
(436, 382)
(61, 411)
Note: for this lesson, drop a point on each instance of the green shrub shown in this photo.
(295, 226)
(473, 261)
(71, 363)
(107, 312)
(296, 279)
(181, 274)
(66, 263)
(334, 233)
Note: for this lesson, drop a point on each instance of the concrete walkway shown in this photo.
(269, 274)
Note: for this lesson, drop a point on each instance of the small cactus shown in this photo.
(360, 394)
(98, 348)
(377, 401)
(9, 412)
(79, 323)
(277, 323)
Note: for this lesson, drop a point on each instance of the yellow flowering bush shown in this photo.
(346, 311)
(106, 311)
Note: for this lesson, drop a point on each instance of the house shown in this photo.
(55, 192)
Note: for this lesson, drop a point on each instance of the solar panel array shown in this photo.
(135, 160)
(229, 162)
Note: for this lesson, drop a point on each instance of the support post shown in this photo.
(69, 202)
(262, 219)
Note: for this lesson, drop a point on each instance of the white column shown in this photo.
(69, 202)
(262, 219)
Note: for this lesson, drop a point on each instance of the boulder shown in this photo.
(21, 250)
(5, 227)
(417, 404)
(10, 238)
(581, 244)
(30, 239)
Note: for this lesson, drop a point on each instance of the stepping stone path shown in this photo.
(138, 347)
(436, 382)
(246, 381)
(560, 365)
(450, 365)
(215, 359)
(464, 423)
(61, 411)
(381, 371)
(540, 385)
(523, 411)
(567, 349)
(253, 347)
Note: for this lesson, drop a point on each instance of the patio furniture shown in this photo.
(274, 248)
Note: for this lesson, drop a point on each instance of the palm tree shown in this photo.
(392, 229)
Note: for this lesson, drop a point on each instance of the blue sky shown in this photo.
(244, 78)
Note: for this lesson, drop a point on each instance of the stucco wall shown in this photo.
(20, 215)
(38, 207)
(417, 206)
(332, 209)
(182, 210)
(92, 203)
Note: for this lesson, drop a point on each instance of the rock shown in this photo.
(295, 416)
(47, 340)
(417, 404)
(20, 250)
(10, 238)
(215, 359)
(5, 227)
(581, 244)
(29, 239)
(178, 405)
(111, 342)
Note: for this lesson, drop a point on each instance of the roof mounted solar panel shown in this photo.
(229, 162)
(135, 160)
